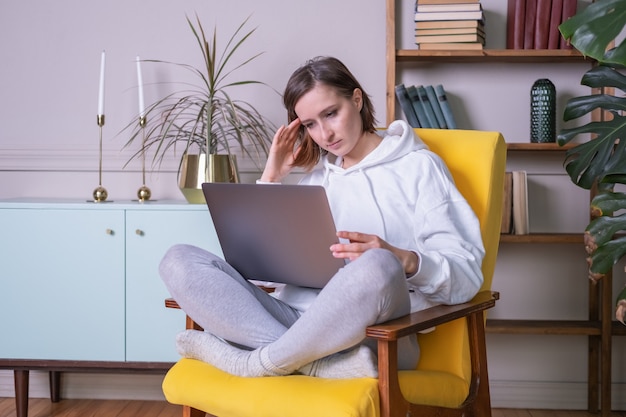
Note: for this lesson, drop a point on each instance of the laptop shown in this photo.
(275, 233)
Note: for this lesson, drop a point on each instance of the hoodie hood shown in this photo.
(398, 140)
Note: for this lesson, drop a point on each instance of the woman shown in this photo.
(411, 238)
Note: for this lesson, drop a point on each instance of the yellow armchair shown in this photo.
(451, 377)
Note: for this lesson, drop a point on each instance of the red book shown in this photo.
(542, 24)
(554, 37)
(519, 23)
(510, 24)
(529, 27)
(569, 10)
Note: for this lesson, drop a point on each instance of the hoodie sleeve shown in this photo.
(447, 240)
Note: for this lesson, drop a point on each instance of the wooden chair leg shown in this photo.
(55, 386)
(20, 378)
(192, 412)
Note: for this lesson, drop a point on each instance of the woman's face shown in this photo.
(332, 121)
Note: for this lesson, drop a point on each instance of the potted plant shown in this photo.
(205, 123)
(601, 162)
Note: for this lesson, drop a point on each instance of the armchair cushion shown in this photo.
(204, 387)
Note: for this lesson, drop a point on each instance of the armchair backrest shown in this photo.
(477, 162)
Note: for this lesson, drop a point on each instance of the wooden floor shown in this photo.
(42, 407)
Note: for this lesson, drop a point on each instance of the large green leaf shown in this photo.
(602, 229)
(605, 256)
(592, 30)
(587, 162)
(604, 204)
(591, 162)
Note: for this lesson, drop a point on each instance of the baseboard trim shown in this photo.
(504, 394)
(109, 386)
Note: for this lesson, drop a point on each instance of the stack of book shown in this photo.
(425, 106)
(534, 24)
(449, 24)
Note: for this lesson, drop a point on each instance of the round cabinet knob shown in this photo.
(139, 232)
(109, 232)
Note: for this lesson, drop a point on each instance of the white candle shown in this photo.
(101, 90)
(142, 109)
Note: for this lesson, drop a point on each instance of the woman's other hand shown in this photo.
(360, 242)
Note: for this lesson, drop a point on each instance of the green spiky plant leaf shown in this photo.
(206, 118)
(600, 162)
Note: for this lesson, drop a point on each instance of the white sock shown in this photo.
(210, 349)
(359, 362)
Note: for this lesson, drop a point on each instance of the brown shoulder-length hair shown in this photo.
(333, 73)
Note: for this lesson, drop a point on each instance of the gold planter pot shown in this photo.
(195, 170)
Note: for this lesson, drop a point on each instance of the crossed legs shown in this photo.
(267, 336)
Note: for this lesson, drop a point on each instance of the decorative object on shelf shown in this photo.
(542, 111)
(206, 119)
(100, 194)
(195, 170)
(600, 162)
(143, 193)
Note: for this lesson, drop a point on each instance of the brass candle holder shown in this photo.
(144, 193)
(100, 194)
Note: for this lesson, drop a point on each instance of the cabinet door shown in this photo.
(62, 284)
(150, 327)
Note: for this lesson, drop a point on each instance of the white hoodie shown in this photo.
(404, 193)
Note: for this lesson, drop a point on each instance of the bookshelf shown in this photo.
(599, 327)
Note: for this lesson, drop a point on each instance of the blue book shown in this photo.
(428, 108)
(445, 106)
(432, 98)
(418, 107)
(405, 103)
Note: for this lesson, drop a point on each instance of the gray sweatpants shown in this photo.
(372, 289)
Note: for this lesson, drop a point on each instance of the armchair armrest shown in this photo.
(431, 317)
(392, 402)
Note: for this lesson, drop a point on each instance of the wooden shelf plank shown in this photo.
(543, 238)
(553, 327)
(493, 55)
(534, 147)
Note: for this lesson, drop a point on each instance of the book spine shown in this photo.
(418, 107)
(529, 24)
(466, 37)
(554, 37)
(432, 98)
(445, 106)
(428, 16)
(520, 203)
(428, 108)
(520, 21)
(405, 104)
(507, 204)
(569, 10)
(510, 24)
(542, 24)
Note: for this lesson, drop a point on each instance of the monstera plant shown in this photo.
(601, 162)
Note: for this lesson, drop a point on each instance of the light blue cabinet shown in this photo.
(150, 328)
(79, 281)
